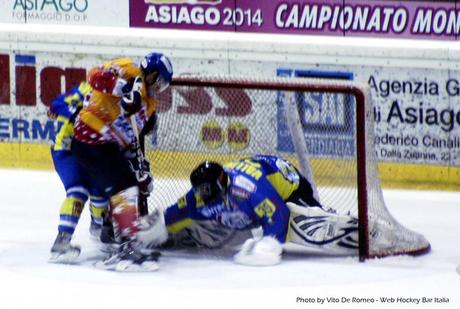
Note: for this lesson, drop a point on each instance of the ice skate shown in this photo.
(62, 251)
(130, 257)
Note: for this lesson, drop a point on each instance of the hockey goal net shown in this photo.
(324, 126)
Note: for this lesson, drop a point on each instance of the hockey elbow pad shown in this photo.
(107, 82)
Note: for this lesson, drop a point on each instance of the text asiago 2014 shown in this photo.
(198, 15)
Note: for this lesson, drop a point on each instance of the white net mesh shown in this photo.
(227, 118)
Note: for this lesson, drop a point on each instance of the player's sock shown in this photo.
(69, 214)
(132, 254)
(98, 206)
(125, 213)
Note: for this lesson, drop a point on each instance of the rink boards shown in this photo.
(415, 102)
(33, 156)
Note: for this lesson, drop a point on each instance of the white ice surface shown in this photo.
(29, 206)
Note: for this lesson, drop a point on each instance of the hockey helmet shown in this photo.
(158, 72)
(209, 180)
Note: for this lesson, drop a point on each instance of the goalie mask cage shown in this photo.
(324, 126)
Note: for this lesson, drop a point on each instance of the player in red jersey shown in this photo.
(105, 144)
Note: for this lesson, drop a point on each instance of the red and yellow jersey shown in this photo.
(102, 120)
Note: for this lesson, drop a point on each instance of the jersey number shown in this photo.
(265, 209)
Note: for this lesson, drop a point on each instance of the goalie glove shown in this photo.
(152, 229)
(260, 252)
(131, 101)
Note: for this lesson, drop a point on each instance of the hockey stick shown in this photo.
(142, 200)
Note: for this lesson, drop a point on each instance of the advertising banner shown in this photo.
(403, 19)
(416, 110)
(327, 119)
(416, 114)
(112, 13)
(217, 120)
(29, 84)
(196, 119)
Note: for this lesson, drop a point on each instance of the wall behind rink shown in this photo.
(415, 87)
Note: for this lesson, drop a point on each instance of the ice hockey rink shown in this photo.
(29, 209)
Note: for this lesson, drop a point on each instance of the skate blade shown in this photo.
(69, 257)
(128, 266)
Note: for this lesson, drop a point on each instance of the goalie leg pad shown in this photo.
(317, 228)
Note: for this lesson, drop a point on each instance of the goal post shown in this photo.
(324, 126)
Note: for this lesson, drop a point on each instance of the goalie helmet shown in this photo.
(158, 72)
(209, 180)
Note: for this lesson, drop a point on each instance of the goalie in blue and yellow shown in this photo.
(261, 191)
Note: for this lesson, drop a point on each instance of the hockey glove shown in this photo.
(141, 167)
(121, 87)
(145, 183)
(131, 101)
(260, 252)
